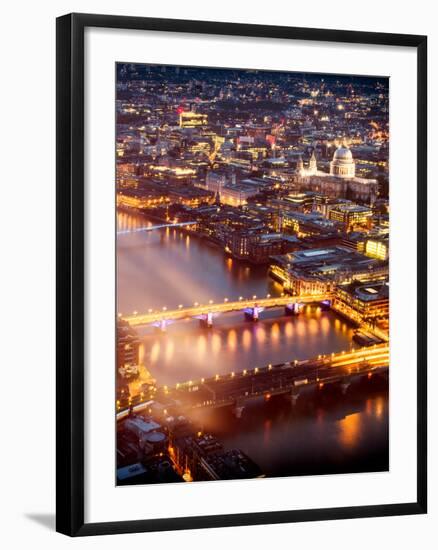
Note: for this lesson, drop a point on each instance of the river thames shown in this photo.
(168, 267)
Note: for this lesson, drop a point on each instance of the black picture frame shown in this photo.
(70, 273)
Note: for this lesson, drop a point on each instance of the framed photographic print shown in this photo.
(241, 274)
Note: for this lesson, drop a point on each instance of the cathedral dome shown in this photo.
(342, 165)
(343, 154)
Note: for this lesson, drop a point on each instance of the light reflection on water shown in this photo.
(188, 351)
(345, 435)
(158, 268)
(350, 428)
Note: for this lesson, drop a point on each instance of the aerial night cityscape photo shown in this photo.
(252, 274)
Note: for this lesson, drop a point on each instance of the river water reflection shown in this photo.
(188, 352)
(169, 267)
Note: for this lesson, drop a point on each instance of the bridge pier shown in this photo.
(252, 313)
(344, 387)
(238, 409)
(384, 376)
(293, 309)
(375, 379)
(163, 325)
(293, 396)
(326, 305)
(206, 320)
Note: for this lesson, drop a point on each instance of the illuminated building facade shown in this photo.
(352, 216)
(190, 196)
(363, 302)
(255, 247)
(128, 349)
(294, 201)
(237, 195)
(377, 248)
(189, 119)
(127, 175)
(307, 224)
(317, 271)
(172, 173)
(200, 145)
(137, 200)
(202, 457)
(215, 181)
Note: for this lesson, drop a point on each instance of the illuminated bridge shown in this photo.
(205, 312)
(153, 227)
(293, 379)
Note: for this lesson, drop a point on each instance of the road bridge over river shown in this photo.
(205, 312)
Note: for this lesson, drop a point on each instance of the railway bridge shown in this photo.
(291, 378)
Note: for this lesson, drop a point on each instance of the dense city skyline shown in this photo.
(253, 279)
